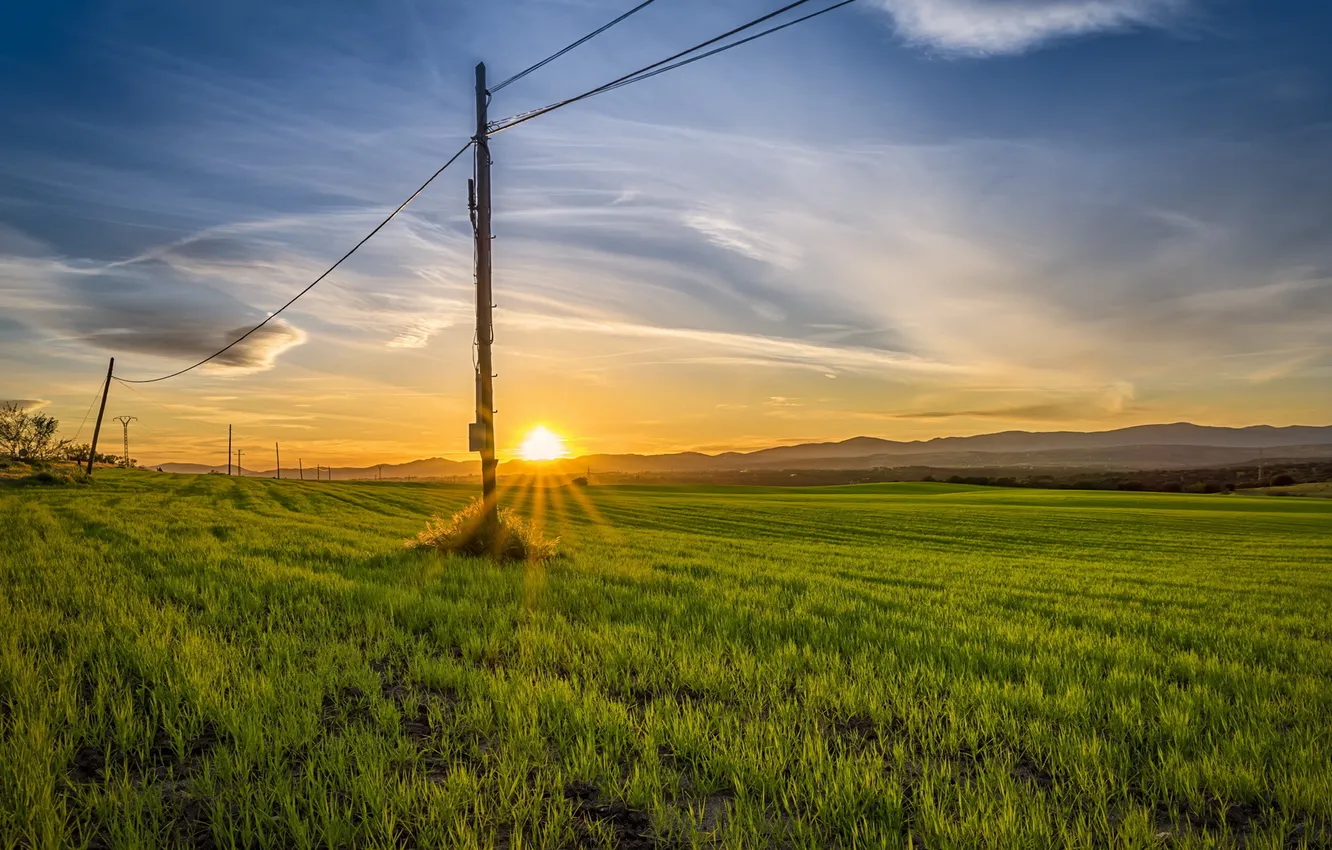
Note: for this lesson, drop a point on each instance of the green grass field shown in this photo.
(204, 661)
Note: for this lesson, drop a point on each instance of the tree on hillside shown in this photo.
(29, 435)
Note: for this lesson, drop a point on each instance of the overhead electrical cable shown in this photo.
(726, 47)
(670, 62)
(316, 281)
(556, 55)
(96, 393)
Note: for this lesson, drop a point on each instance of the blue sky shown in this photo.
(907, 218)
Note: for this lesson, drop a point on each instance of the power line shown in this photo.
(727, 47)
(88, 412)
(664, 65)
(275, 313)
(556, 55)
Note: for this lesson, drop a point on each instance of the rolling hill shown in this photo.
(1177, 445)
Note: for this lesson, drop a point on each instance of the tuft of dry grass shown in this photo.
(515, 539)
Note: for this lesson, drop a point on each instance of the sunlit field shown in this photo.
(209, 661)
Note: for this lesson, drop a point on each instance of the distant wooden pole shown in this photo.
(240, 470)
(228, 450)
(97, 429)
(300, 468)
(277, 455)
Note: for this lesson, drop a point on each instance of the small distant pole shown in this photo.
(228, 450)
(239, 469)
(1261, 465)
(300, 468)
(277, 455)
(381, 471)
(97, 429)
(124, 423)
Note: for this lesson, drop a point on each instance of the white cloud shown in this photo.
(418, 333)
(770, 349)
(25, 403)
(995, 27)
(724, 232)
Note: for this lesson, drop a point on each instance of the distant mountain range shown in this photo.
(1180, 445)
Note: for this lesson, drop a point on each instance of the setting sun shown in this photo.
(542, 444)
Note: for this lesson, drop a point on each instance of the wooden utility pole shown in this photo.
(124, 423)
(482, 435)
(239, 469)
(277, 455)
(300, 468)
(228, 450)
(97, 429)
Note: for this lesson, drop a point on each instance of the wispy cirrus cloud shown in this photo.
(795, 352)
(995, 27)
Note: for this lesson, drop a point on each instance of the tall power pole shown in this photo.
(97, 429)
(300, 468)
(484, 441)
(239, 469)
(228, 450)
(124, 423)
(277, 455)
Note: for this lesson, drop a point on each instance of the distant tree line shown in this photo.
(1219, 480)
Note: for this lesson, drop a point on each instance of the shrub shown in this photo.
(515, 539)
(1283, 480)
(580, 481)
